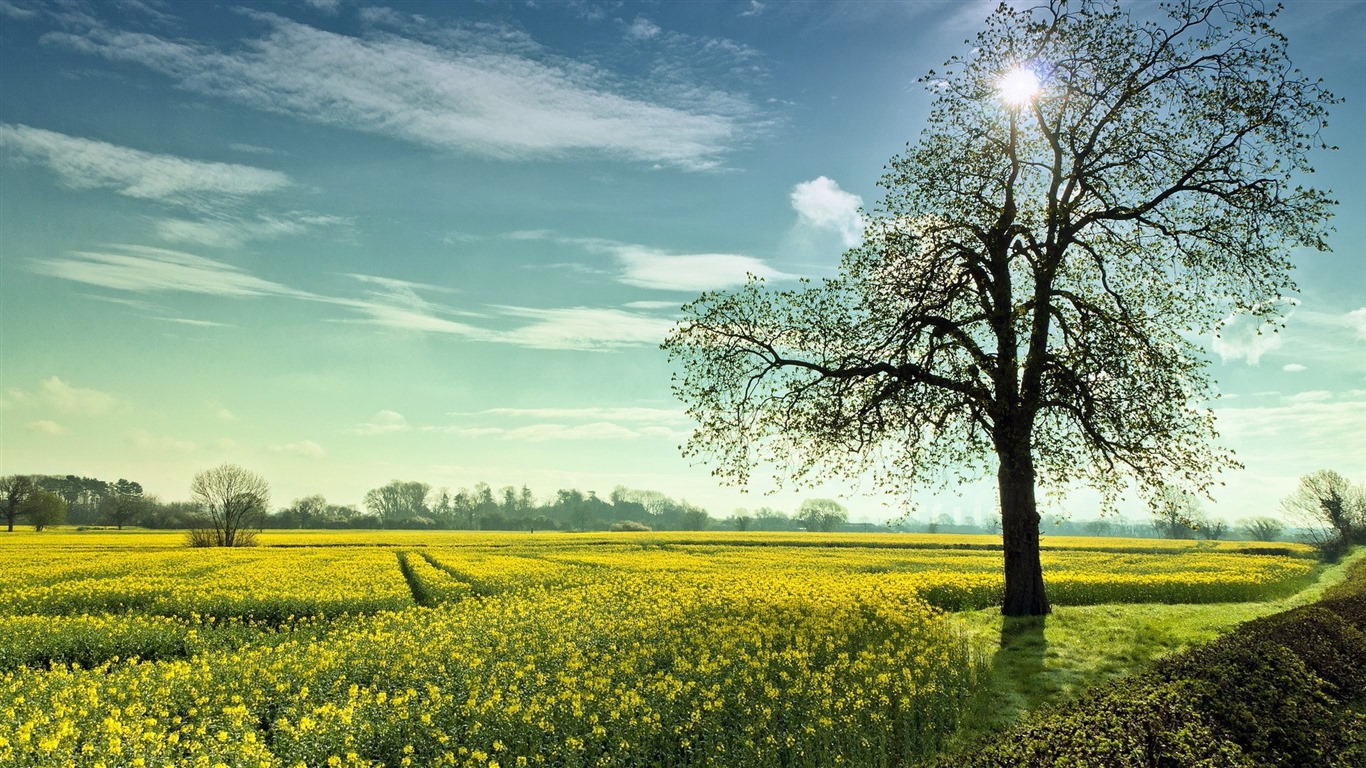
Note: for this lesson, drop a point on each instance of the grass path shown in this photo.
(1048, 661)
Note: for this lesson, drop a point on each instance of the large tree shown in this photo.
(235, 501)
(1093, 193)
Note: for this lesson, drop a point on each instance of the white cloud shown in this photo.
(646, 267)
(89, 164)
(382, 423)
(47, 427)
(1244, 337)
(69, 399)
(58, 395)
(1312, 396)
(561, 423)
(306, 448)
(822, 204)
(1299, 436)
(643, 29)
(584, 328)
(146, 269)
(1293, 368)
(481, 95)
(1356, 320)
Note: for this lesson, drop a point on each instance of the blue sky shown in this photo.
(344, 242)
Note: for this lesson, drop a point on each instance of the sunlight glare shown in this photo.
(1018, 86)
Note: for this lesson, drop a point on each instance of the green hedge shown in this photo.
(1285, 690)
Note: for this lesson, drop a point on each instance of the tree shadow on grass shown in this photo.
(1016, 678)
(1018, 665)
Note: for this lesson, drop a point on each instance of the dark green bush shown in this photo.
(1352, 609)
(1329, 646)
(1141, 722)
(1261, 696)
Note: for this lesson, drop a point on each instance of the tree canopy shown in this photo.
(1030, 293)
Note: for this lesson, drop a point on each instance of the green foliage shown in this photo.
(42, 508)
(1262, 696)
(821, 515)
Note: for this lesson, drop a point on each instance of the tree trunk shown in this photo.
(1024, 593)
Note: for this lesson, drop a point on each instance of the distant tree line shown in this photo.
(1326, 510)
(416, 505)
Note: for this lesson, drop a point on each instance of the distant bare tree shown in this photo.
(234, 501)
(1331, 509)
(1262, 528)
(1176, 514)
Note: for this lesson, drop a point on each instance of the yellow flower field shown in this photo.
(411, 648)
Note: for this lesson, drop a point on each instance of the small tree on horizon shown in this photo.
(234, 502)
(824, 515)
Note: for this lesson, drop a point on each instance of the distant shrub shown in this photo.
(629, 526)
(207, 537)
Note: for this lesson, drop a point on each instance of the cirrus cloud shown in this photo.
(90, 164)
(465, 91)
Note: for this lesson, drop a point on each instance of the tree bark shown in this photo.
(1024, 589)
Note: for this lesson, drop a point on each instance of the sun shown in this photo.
(1018, 86)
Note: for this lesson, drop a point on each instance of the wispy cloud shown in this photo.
(147, 441)
(389, 303)
(60, 396)
(584, 328)
(226, 232)
(468, 93)
(382, 423)
(145, 269)
(569, 424)
(47, 427)
(305, 448)
(1323, 431)
(632, 414)
(643, 266)
(649, 268)
(90, 164)
(539, 433)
